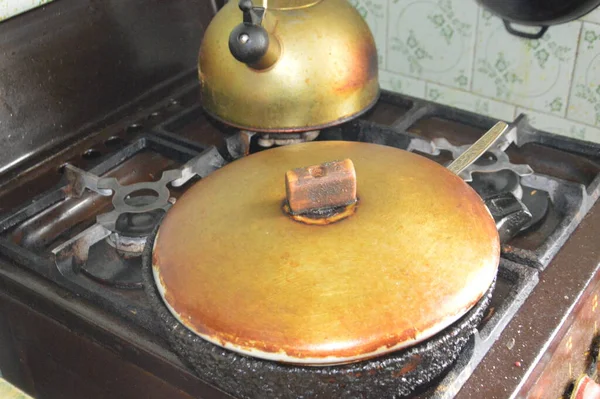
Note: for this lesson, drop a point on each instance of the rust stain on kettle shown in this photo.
(362, 68)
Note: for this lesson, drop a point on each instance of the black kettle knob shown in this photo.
(249, 42)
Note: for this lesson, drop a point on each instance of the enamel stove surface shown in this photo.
(75, 225)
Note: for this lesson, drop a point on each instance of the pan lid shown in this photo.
(339, 262)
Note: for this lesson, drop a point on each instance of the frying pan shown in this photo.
(397, 372)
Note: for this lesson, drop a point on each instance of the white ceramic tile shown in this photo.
(375, 13)
(401, 84)
(3, 10)
(584, 102)
(594, 16)
(553, 124)
(432, 40)
(531, 73)
(10, 8)
(470, 102)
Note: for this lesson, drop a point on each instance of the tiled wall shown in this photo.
(455, 52)
(10, 8)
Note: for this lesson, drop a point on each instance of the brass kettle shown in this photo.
(293, 66)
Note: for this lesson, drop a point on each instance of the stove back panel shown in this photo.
(69, 65)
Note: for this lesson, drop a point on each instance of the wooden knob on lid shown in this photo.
(321, 194)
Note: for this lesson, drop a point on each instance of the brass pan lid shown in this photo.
(242, 269)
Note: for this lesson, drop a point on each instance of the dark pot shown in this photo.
(542, 13)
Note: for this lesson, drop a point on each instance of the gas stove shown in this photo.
(81, 218)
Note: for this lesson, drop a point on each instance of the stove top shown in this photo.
(81, 216)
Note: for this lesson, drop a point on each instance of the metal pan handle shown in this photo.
(524, 35)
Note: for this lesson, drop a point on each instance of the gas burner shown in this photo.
(131, 228)
(126, 246)
(270, 139)
(137, 210)
(487, 184)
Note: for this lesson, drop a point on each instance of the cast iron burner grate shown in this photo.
(132, 219)
(58, 223)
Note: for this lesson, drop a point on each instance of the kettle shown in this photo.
(288, 66)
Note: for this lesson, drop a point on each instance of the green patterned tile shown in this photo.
(10, 8)
(9, 391)
(3, 10)
(470, 102)
(584, 103)
(375, 13)
(530, 73)
(432, 40)
(594, 16)
(401, 84)
(554, 124)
